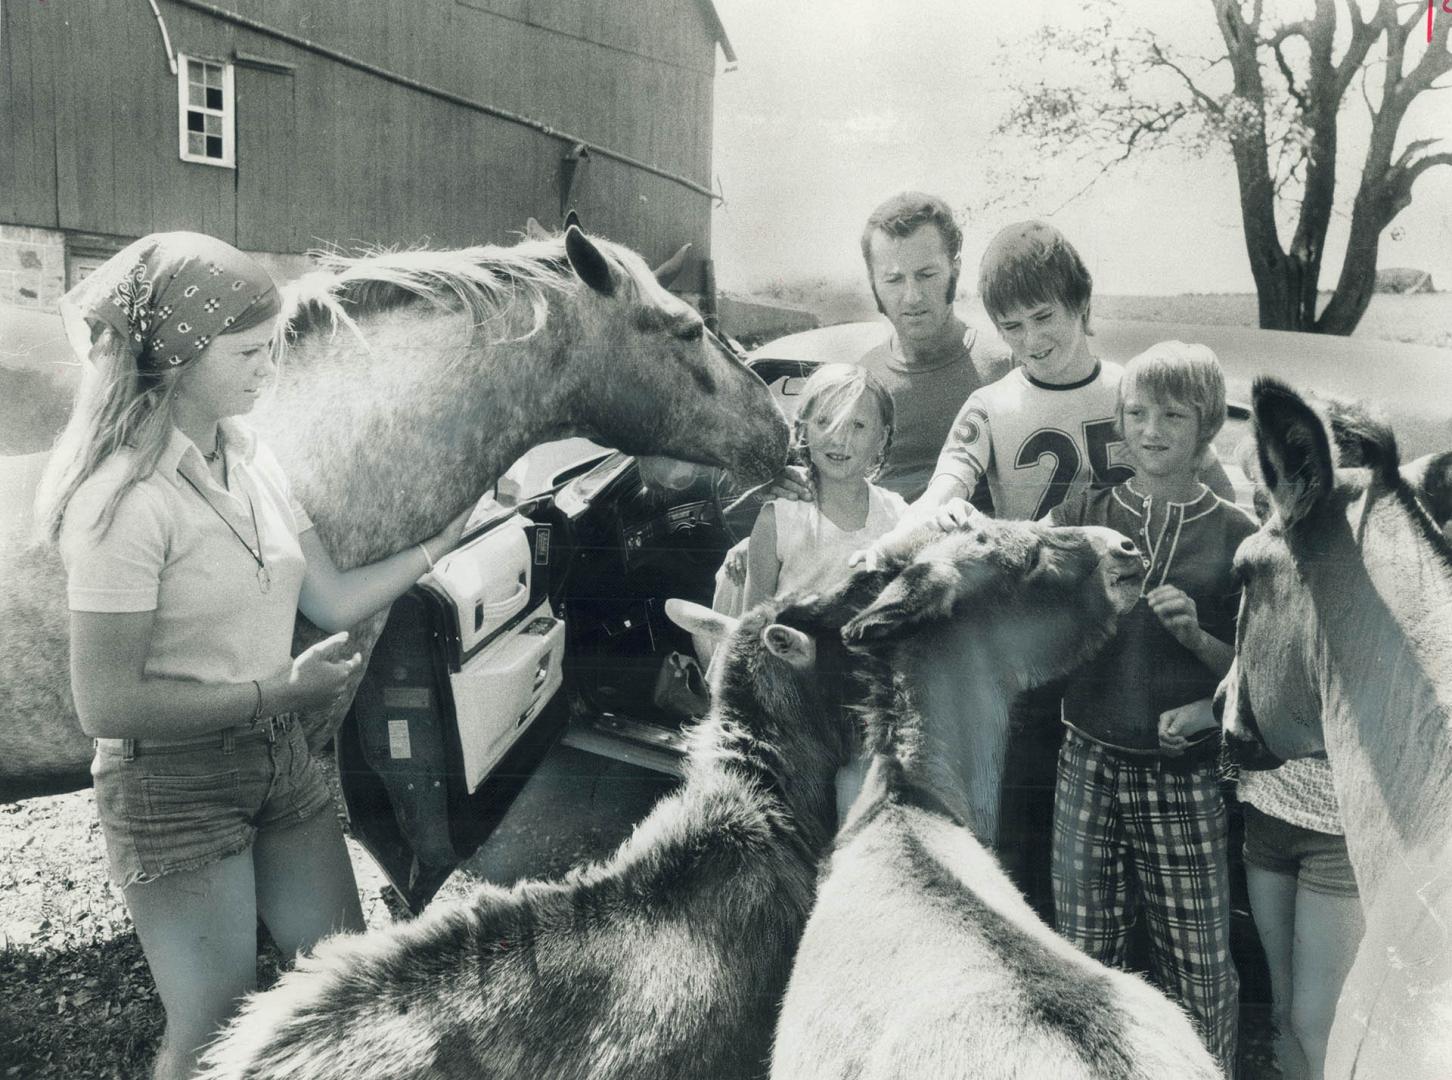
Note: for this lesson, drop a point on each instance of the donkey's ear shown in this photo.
(589, 262)
(924, 592)
(1294, 450)
(790, 644)
(697, 619)
(1431, 478)
(534, 230)
(572, 220)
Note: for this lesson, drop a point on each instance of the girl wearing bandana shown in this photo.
(187, 560)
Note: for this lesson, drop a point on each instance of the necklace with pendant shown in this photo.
(264, 575)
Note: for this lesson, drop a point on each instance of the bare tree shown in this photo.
(1275, 95)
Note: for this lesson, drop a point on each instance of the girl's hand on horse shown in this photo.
(317, 678)
(1176, 612)
(1185, 726)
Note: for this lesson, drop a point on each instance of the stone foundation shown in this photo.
(32, 266)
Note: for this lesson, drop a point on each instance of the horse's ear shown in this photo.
(790, 644)
(589, 262)
(697, 619)
(1431, 478)
(534, 230)
(572, 221)
(1293, 447)
(669, 270)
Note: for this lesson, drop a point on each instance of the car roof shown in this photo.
(1409, 385)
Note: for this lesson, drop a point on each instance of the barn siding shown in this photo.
(329, 154)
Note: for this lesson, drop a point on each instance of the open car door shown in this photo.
(542, 638)
(457, 707)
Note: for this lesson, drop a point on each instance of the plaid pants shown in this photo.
(1144, 834)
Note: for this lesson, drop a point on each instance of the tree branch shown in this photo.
(1206, 101)
(1436, 61)
(1286, 72)
(1396, 189)
(1364, 33)
(1430, 161)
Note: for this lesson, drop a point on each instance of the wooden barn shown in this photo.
(283, 126)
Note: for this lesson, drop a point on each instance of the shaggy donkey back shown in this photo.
(667, 960)
(921, 958)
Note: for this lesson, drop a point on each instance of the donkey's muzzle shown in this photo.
(1243, 746)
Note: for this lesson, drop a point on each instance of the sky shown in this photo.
(835, 104)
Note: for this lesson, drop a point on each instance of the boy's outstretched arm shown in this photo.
(944, 503)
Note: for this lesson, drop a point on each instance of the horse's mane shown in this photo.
(485, 282)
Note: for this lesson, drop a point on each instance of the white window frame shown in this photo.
(227, 113)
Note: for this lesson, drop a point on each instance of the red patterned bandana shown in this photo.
(169, 295)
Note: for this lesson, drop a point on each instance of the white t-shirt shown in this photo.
(1038, 443)
(1300, 791)
(168, 551)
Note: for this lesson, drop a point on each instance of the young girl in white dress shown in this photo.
(843, 430)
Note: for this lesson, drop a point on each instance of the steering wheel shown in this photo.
(737, 505)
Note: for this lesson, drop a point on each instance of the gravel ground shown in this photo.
(76, 999)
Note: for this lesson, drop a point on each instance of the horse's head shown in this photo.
(1335, 499)
(663, 384)
(1038, 599)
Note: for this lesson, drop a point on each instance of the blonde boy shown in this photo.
(1139, 823)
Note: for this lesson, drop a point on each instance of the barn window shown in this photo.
(205, 108)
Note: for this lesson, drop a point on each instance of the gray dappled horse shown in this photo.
(666, 961)
(921, 958)
(411, 381)
(1344, 646)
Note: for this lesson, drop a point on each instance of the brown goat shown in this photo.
(921, 959)
(667, 960)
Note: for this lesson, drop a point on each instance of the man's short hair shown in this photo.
(1177, 371)
(1030, 263)
(904, 214)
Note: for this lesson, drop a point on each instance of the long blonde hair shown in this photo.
(118, 405)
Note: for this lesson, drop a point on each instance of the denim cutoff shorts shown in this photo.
(169, 809)
(1317, 860)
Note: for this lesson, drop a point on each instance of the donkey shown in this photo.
(666, 960)
(921, 958)
(454, 364)
(1344, 647)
